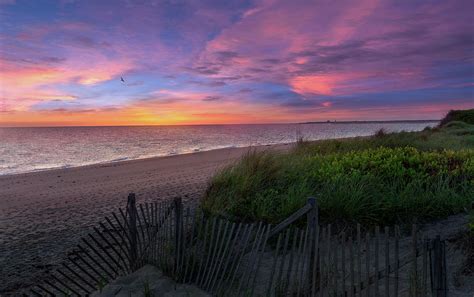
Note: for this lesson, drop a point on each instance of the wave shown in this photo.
(119, 159)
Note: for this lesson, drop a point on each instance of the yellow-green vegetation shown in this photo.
(383, 179)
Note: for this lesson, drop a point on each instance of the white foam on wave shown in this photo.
(119, 159)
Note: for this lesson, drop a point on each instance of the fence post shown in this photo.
(313, 222)
(414, 276)
(439, 268)
(313, 214)
(132, 226)
(178, 208)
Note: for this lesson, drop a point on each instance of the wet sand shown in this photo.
(44, 214)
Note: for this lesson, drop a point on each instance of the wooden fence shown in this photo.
(228, 258)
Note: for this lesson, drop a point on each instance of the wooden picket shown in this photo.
(228, 258)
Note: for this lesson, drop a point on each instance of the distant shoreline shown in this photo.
(372, 122)
(246, 124)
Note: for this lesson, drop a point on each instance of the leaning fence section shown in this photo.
(118, 245)
(228, 258)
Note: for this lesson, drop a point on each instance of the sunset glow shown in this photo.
(221, 62)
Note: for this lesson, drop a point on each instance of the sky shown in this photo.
(229, 62)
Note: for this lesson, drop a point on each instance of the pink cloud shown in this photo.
(22, 87)
(370, 47)
(314, 84)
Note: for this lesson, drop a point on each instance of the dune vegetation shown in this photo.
(383, 179)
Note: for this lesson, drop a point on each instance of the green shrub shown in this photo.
(374, 185)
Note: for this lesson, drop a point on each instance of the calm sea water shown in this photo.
(32, 149)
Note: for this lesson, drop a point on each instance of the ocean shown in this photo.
(33, 149)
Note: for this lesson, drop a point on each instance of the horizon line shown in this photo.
(289, 123)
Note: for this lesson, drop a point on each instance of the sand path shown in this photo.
(44, 214)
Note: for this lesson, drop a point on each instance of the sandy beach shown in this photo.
(44, 214)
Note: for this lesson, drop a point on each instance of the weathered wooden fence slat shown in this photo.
(322, 264)
(303, 279)
(279, 285)
(425, 267)
(316, 263)
(343, 260)
(376, 260)
(414, 273)
(330, 265)
(274, 266)
(336, 245)
(352, 287)
(387, 262)
(367, 264)
(359, 261)
(397, 263)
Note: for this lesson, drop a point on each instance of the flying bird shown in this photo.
(122, 80)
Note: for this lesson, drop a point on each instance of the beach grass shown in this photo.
(383, 179)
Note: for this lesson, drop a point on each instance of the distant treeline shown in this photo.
(371, 122)
(466, 116)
